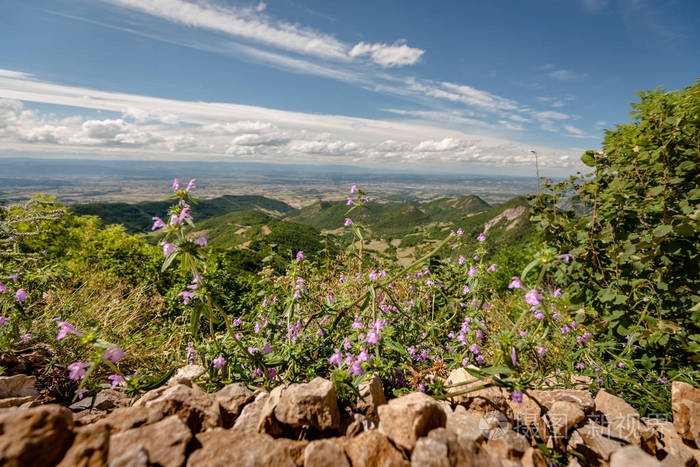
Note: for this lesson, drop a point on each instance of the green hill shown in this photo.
(138, 217)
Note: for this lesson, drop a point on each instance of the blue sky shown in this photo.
(462, 85)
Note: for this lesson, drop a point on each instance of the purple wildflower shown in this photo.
(116, 380)
(168, 248)
(158, 223)
(81, 393)
(517, 396)
(566, 257)
(186, 296)
(354, 189)
(258, 373)
(515, 283)
(541, 351)
(66, 328)
(77, 370)
(580, 366)
(513, 356)
(493, 268)
(26, 337)
(533, 297)
(191, 185)
(300, 255)
(177, 185)
(350, 202)
(556, 293)
(3, 289)
(202, 241)
(481, 238)
(348, 222)
(219, 362)
(3, 320)
(356, 369)
(114, 354)
(20, 295)
(472, 271)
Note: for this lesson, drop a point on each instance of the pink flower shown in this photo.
(513, 356)
(3, 289)
(492, 268)
(517, 396)
(116, 380)
(541, 351)
(557, 293)
(219, 362)
(481, 238)
(348, 222)
(350, 202)
(515, 283)
(26, 337)
(461, 260)
(81, 393)
(3, 320)
(20, 295)
(336, 358)
(566, 257)
(77, 370)
(186, 296)
(177, 185)
(300, 255)
(202, 241)
(472, 271)
(191, 185)
(533, 297)
(113, 355)
(66, 328)
(168, 248)
(354, 189)
(158, 223)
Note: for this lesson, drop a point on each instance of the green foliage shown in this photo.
(632, 228)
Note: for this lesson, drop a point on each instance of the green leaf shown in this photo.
(662, 230)
(588, 158)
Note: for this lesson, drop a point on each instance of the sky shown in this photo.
(460, 86)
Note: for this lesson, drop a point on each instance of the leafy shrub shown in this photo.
(632, 227)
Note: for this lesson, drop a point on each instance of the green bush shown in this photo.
(632, 227)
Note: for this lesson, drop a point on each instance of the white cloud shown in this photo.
(261, 7)
(205, 130)
(551, 115)
(594, 6)
(241, 23)
(574, 131)
(566, 75)
(387, 56)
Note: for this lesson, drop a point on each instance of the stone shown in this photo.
(561, 418)
(18, 386)
(686, 411)
(632, 456)
(583, 399)
(323, 453)
(199, 410)
(89, 447)
(164, 441)
(409, 417)
(249, 419)
(479, 401)
(127, 418)
(592, 441)
(186, 375)
(136, 456)
(313, 404)
(14, 401)
(87, 417)
(295, 449)
(464, 423)
(372, 448)
(507, 445)
(613, 407)
(371, 396)
(527, 417)
(232, 398)
(106, 399)
(443, 448)
(533, 457)
(464, 379)
(357, 424)
(37, 436)
(221, 448)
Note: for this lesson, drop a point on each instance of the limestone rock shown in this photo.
(232, 398)
(136, 456)
(37, 436)
(313, 404)
(527, 416)
(409, 417)
(533, 457)
(223, 448)
(562, 417)
(583, 399)
(249, 419)
(592, 441)
(685, 404)
(371, 396)
(89, 447)
(614, 408)
(18, 386)
(107, 399)
(199, 410)
(507, 445)
(131, 417)
(164, 441)
(443, 448)
(632, 456)
(373, 449)
(624, 421)
(464, 423)
(323, 453)
(186, 375)
(15, 401)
